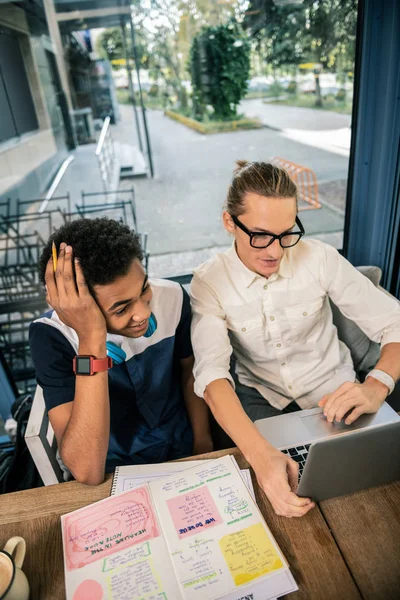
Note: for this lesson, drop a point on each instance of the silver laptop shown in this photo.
(334, 458)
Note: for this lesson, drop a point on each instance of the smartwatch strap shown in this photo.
(101, 364)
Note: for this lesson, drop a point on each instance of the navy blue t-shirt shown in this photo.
(148, 418)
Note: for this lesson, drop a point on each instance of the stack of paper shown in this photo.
(128, 477)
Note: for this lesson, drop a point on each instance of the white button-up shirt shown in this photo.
(280, 328)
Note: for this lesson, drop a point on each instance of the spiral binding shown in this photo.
(114, 482)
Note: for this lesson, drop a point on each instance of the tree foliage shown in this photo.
(220, 65)
(281, 27)
(159, 22)
(111, 47)
(332, 32)
(323, 31)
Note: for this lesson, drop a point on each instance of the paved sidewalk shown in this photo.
(83, 174)
(332, 140)
(282, 117)
(181, 207)
(318, 128)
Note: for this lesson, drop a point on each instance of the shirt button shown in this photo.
(265, 287)
(272, 318)
(290, 387)
(305, 314)
(243, 328)
(278, 345)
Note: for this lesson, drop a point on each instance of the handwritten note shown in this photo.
(193, 511)
(249, 553)
(136, 580)
(100, 530)
(197, 560)
(210, 472)
(236, 503)
(135, 553)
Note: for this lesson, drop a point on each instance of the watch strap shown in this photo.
(384, 378)
(101, 364)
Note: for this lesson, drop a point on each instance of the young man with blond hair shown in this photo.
(266, 300)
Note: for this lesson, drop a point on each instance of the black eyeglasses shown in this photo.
(263, 240)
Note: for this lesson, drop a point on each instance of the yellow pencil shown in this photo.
(54, 252)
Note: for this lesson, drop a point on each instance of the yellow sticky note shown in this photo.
(249, 553)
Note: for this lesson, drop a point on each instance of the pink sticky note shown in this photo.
(108, 526)
(193, 512)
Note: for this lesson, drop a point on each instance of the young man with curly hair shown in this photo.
(142, 409)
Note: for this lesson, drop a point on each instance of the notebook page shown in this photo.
(115, 550)
(217, 538)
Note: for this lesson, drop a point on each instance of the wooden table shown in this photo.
(345, 548)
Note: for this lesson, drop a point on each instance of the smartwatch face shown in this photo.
(83, 366)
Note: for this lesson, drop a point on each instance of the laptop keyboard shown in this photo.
(299, 454)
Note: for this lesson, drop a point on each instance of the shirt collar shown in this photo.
(248, 277)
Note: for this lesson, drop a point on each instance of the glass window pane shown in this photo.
(16, 83)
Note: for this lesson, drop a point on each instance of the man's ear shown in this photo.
(228, 222)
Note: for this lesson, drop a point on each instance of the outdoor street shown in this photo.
(181, 207)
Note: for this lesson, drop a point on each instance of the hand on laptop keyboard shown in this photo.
(299, 454)
(277, 474)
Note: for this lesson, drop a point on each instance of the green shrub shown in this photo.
(220, 65)
(341, 95)
(154, 90)
(275, 89)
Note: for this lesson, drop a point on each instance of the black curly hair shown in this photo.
(105, 248)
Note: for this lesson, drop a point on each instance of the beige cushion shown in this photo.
(364, 352)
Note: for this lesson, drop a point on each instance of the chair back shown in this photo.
(41, 441)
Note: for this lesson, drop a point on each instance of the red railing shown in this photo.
(305, 180)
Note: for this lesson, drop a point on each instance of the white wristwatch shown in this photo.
(383, 377)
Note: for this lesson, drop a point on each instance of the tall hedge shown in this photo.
(220, 66)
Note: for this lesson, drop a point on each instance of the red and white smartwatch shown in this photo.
(90, 365)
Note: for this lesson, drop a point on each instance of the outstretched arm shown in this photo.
(276, 473)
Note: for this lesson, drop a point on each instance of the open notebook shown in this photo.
(194, 535)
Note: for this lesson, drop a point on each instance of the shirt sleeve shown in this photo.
(374, 311)
(183, 345)
(52, 355)
(210, 339)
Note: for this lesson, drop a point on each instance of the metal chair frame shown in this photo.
(115, 193)
(14, 343)
(22, 203)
